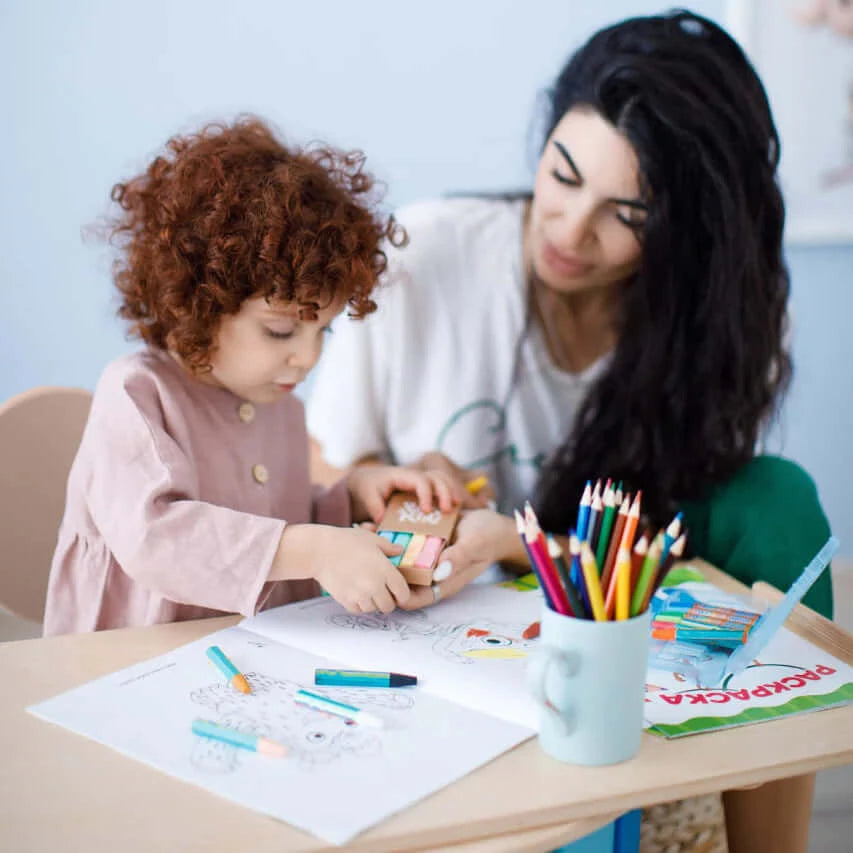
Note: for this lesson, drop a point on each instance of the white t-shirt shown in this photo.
(448, 361)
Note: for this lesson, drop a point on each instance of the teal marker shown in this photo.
(359, 678)
(339, 709)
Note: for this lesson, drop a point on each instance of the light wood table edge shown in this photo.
(537, 828)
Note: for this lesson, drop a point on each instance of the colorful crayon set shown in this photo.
(422, 535)
(612, 572)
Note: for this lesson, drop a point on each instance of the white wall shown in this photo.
(440, 95)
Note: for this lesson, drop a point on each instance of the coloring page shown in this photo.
(471, 649)
(334, 781)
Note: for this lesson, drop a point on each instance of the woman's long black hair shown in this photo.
(700, 362)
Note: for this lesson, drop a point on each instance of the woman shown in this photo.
(624, 320)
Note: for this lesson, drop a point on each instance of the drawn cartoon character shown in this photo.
(270, 710)
(464, 643)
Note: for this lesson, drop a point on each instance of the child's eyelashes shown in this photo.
(278, 335)
(281, 335)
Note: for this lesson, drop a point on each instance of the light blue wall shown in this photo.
(440, 96)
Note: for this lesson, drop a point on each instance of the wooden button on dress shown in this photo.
(246, 412)
(260, 473)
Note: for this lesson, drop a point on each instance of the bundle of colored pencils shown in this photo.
(612, 573)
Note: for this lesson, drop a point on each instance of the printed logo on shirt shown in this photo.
(486, 421)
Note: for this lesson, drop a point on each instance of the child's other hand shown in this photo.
(482, 537)
(370, 486)
(350, 563)
(435, 461)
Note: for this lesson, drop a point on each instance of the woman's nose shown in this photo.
(575, 229)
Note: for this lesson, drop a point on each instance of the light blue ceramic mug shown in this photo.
(588, 679)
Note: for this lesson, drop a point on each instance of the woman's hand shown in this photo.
(350, 563)
(460, 477)
(482, 537)
(370, 486)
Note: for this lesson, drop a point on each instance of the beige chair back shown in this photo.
(40, 431)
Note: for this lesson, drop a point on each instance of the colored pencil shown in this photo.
(535, 563)
(595, 509)
(593, 584)
(556, 554)
(223, 664)
(548, 571)
(670, 535)
(623, 584)
(576, 573)
(615, 542)
(647, 576)
(244, 740)
(583, 510)
(609, 511)
(630, 529)
(638, 556)
(676, 552)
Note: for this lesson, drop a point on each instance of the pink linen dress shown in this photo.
(176, 502)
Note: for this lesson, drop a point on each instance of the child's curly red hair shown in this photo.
(229, 213)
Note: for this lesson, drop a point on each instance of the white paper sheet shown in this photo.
(338, 780)
(470, 649)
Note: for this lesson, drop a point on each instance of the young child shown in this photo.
(190, 494)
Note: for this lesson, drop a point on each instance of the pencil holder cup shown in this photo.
(588, 679)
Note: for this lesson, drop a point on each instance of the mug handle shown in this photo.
(539, 665)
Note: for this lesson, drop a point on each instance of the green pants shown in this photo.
(766, 523)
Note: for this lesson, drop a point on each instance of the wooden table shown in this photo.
(59, 791)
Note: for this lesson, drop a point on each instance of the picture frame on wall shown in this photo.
(803, 51)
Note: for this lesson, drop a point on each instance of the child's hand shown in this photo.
(370, 486)
(435, 461)
(350, 563)
(482, 537)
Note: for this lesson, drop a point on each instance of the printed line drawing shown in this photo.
(312, 737)
(460, 643)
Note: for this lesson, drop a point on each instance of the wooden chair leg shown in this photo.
(772, 818)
